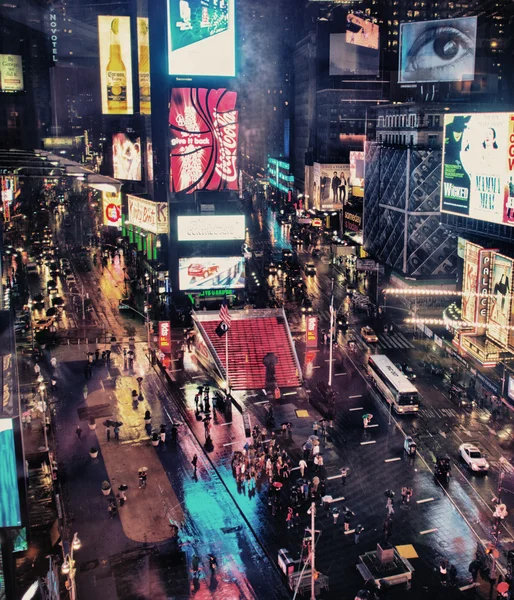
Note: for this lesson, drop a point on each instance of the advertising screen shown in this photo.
(500, 299)
(510, 389)
(115, 65)
(357, 169)
(442, 50)
(10, 515)
(126, 157)
(211, 228)
(201, 38)
(478, 168)
(143, 60)
(470, 281)
(197, 273)
(361, 32)
(150, 216)
(348, 58)
(11, 73)
(203, 129)
(111, 202)
(332, 185)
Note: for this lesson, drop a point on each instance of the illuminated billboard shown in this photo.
(10, 514)
(11, 73)
(203, 130)
(357, 169)
(111, 209)
(126, 157)
(115, 65)
(470, 281)
(347, 58)
(361, 32)
(211, 273)
(442, 50)
(211, 228)
(330, 186)
(500, 299)
(478, 167)
(201, 38)
(143, 60)
(150, 216)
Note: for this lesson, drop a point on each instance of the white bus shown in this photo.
(392, 384)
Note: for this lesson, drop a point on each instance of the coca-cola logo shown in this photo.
(225, 131)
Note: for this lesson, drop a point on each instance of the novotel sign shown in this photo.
(211, 228)
(150, 216)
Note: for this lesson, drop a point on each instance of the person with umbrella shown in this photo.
(335, 514)
(366, 419)
(348, 515)
(142, 475)
(122, 495)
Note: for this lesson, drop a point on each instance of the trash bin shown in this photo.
(285, 562)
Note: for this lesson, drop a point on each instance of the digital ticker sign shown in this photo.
(478, 166)
(201, 38)
(204, 132)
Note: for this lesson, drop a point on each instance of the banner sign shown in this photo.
(165, 337)
(111, 202)
(311, 331)
(150, 216)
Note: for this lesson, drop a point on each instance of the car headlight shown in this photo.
(486, 466)
(474, 467)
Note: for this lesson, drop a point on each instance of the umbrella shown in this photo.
(314, 438)
(39, 298)
(51, 312)
(57, 301)
(308, 445)
(143, 469)
(117, 423)
(131, 353)
(123, 487)
(277, 485)
(108, 423)
(502, 588)
(367, 416)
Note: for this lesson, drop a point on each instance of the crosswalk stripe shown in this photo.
(401, 336)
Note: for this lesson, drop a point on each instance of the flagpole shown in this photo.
(226, 361)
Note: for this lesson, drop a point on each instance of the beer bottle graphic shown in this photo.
(145, 106)
(116, 74)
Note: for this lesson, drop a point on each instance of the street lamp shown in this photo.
(68, 567)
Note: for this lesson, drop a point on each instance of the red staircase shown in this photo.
(249, 340)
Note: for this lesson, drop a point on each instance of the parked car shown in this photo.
(473, 458)
(368, 335)
(199, 270)
(70, 279)
(51, 285)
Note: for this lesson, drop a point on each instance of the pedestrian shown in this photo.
(162, 435)
(443, 571)
(320, 462)
(117, 433)
(335, 514)
(197, 400)
(53, 362)
(404, 494)
(344, 475)
(315, 449)
(37, 369)
(143, 479)
(409, 494)
(474, 568)
(78, 432)
(315, 427)
(194, 462)
(123, 498)
(84, 391)
(306, 452)
(390, 506)
(388, 528)
(289, 517)
(195, 563)
(348, 515)
(452, 573)
(316, 463)
(303, 465)
(97, 354)
(108, 434)
(358, 530)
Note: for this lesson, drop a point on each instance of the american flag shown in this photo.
(224, 314)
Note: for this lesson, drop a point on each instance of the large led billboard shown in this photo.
(203, 130)
(147, 214)
(211, 228)
(470, 281)
(357, 169)
(442, 50)
(500, 300)
(143, 62)
(115, 65)
(361, 32)
(478, 166)
(10, 514)
(126, 157)
(201, 38)
(211, 273)
(11, 73)
(111, 208)
(349, 58)
(331, 185)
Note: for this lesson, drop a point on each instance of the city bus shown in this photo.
(392, 384)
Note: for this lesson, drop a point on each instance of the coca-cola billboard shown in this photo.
(203, 132)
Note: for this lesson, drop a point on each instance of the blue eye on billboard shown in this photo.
(441, 50)
(201, 38)
(202, 273)
(10, 515)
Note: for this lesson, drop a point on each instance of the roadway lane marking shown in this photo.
(175, 370)
(366, 443)
(224, 424)
(230, 443)
(332, 477)
(468, 587)
(348, 531)
(425, 500)
(339, 374)
(328, 360)
(392, 459)
(316, 367)
(289, 394)
(261, 402)
(337, 499)
(428, 531)
(370, 426)
(357, 396)
(295, 469)
(197, 377)
(443, 434)
(357, 408)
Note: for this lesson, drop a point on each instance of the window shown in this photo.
(437, 120)
(430, 120)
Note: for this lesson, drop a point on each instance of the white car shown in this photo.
(473, 458)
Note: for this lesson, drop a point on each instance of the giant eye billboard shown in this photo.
(115, 65)
(201, 273)
(478, 166)
(442, 50)
(203, 130)
(201, 38)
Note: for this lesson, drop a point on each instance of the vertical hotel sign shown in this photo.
(311, 332)
(115, 65)
(165, 337)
